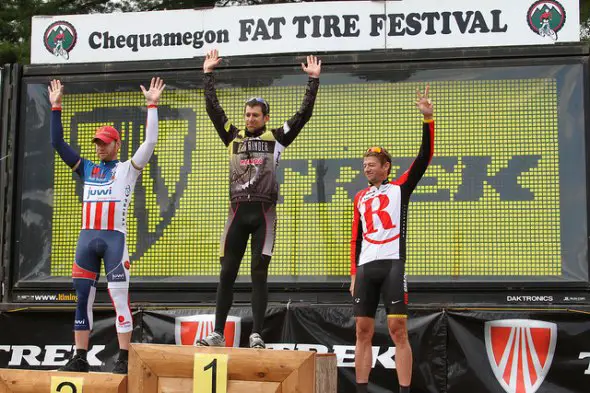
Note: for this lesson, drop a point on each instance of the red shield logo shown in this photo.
(520, 352)
(188, 330)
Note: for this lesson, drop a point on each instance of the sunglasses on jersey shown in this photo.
(259, 100)
(379, 150)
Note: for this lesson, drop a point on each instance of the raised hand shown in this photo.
(155, 91)
(212, 60)
(423, 103)
(313, 67)
(56, 91)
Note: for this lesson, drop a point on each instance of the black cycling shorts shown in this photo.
(382, 277)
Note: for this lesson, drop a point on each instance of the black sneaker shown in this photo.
(76, 364)
(121, 367)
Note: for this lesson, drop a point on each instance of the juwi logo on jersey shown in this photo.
(100, 192)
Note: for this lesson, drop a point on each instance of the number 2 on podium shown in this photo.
(210, 373)
(66, 384)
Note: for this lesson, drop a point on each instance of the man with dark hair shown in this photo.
(378, 252)
(254, 157)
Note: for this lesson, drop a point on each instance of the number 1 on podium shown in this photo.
(210, 373)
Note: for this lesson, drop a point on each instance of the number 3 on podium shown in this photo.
(210, 374)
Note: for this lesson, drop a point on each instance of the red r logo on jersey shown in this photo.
(384, 218)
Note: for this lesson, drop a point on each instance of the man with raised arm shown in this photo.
(108, 189)
(254, 154)
(378, 252)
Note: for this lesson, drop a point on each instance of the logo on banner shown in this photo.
(189, 330)
(546, 18)
(520, 352)
(47, 355)
(60, 38)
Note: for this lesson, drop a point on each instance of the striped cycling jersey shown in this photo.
(108, 188)
(380, 213)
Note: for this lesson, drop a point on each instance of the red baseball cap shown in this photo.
(107, 134)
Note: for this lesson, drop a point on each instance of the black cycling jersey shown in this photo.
(254, 157)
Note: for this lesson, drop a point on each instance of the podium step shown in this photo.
(184, 385)
(37, 381)
(155, 368)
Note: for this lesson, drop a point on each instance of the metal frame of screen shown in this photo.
(182, 289)
(11, 77)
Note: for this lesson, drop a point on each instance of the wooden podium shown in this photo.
(157, 368)
(170, 369)
(35, 381)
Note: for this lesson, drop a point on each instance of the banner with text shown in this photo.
(501, 351)
(44, 340)
(301, 28)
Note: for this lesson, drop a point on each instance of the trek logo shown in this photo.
(406, 299)
(585, 355)
(47, 355)
(475, 174)
(345, 354)
(520, 352)
(377, 208)
(190, 329)
(98, 174)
